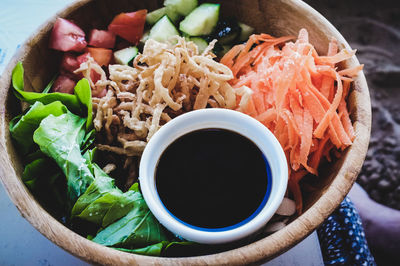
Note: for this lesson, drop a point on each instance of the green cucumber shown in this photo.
(183, 7)
(124, 56)
(246, 32)
(201, 21)
(200, 42)
(155, 15)
(163, 30)
(172, 14)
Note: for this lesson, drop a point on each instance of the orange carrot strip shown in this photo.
(227, 59)
(267, 116)
(351, 72)
(341, 56)
(319, 131)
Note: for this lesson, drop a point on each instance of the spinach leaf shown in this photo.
(84, 94)
(59, 138)
(103, 203)
(47, 183)
(158, 249)
(88, 141)
(73, 102)
(152, 250)
(18, 77)
(137, 229)
(22, 127)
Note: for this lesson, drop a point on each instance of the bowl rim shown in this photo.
(256, 252)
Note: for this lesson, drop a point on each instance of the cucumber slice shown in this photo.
(246, 32)
(124, 56)
(155, 15)
(163, 30)
(200, 42)
(172, 14)
(183, 7)
(201, 21)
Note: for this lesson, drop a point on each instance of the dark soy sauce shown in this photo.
(212, 178)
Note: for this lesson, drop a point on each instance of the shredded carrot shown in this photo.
(299, 95)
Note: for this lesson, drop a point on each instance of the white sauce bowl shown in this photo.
(219, 119)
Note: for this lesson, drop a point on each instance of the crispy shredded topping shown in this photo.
(164, 82)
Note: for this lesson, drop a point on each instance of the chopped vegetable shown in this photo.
(102, 39)
(201, 21)
(64, 84)
(182, 7)
(200, 42)
(125, 55)
(129, 25)
(298, 95)
(163, 30)
(157, 14)
(66, 36)
(101, 55)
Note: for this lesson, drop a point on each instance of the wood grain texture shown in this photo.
(279, 17)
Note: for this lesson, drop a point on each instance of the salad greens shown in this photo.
(23, 126)
(55, 135)
(59, 137)
(78, 103)
(136, 229)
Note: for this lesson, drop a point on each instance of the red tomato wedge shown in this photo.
(129, 25)
(66, 36)
(69, 62)
(102, 39)
(82, 58)
(64, 84)
(101, 55)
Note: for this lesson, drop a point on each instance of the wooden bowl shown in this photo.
(277, 17)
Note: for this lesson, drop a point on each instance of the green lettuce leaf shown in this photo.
(103, 203)
(158, 249)
(80, 103)
(137, 229)
(84, 95)
(151, 250)
(22, 127)
(47, 183)
(60, 138)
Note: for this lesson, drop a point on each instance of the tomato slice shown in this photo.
(102, 39)
(101, 55)
(129, 25)
(66, 36)
(64, 84)
(69, 62)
